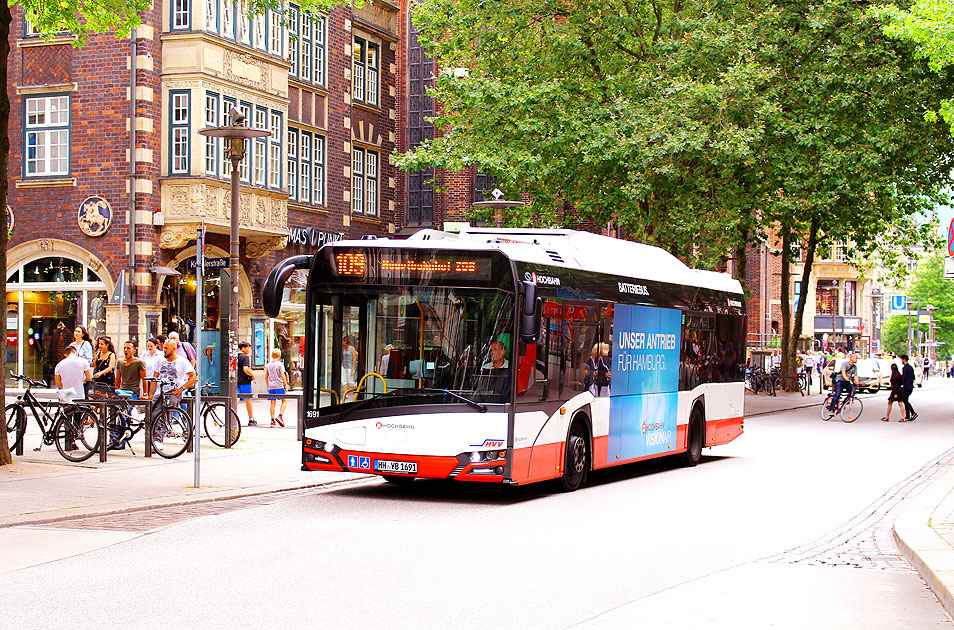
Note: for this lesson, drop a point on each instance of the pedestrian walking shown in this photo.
(926, 367)
(907, 386)
(897, 382)
(277, 380)
(245, 378)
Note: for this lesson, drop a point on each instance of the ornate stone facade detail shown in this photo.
(190, 203)
(245, 69)
(176, 237)
(256, 248)
(45, 245)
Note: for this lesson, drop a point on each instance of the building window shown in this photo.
(180, 14)
(365, 71)
(246, 110)
(259, 150)
(304, 167)
(293, 163)
(242, 23)
(212, 15)
(826, 297)
(261, 41)
(307, 45)
(47, 136)
(850, 303)
(275, 151)
(228, 19)
(227, 105)
(364, 181)
(275, 33)
(179, 129)
(211, 144)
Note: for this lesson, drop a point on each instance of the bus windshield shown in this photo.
(410, 345)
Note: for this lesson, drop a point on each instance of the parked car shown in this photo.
(885, 365)
(869, 374)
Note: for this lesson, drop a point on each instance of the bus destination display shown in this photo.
(387, 265)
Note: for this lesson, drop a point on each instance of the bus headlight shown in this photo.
(475, 457)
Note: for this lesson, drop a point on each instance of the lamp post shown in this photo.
(234, 136)
(498, 205)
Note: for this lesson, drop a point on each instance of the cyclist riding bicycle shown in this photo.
(847, 378)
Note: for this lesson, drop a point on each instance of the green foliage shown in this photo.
(930, 287)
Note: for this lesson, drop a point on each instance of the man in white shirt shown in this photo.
(187, 350)
(176, 368)
(72, 372)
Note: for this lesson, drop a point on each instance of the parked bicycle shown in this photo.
(74, 429)
(849, 407)
(214, 416)
(756, 380)
(171, 425)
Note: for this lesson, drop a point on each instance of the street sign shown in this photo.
(121, 292)
(949, 267)
(899, 302)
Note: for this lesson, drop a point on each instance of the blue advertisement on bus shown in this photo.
(645, 381)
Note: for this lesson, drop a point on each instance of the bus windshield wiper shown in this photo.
(476, 405)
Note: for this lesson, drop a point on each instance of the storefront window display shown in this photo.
(46, 299)
(181, 300)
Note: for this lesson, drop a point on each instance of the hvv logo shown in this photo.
(491, 444)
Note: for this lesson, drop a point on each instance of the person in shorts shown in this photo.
(245, 378)
(277, 380)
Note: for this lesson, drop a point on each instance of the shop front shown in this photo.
(46, 298)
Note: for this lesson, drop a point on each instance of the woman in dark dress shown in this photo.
(104, 362)
(895, 395)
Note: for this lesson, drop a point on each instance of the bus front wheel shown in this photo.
(696, 438)
(577, 459)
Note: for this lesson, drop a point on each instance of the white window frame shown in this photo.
(357, 180)
(228, 19)
(180, 15)
(227, 105)
(260, 36)
(275, 39)
(304, 167)
(318, 170)
(366, 71)
(260, 160)
(179, 132)
(47, 131)
(294, 19)
(243, 27)
(275, 150)
(212, 103)
(246, 110)
(365, 178)
(212, 15)
(292, 172)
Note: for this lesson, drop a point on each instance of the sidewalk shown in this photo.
(43, 487)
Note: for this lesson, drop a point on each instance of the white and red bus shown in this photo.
(512, 355)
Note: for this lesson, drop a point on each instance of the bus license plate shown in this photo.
(387, 466)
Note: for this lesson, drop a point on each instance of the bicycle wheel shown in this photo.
(826, 413)
(16, 424)
(214, 422)
(851, 410)
(77, 434)
(171, 433)
(116, 427)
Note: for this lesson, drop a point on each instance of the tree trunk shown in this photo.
(788, 356)
(5, 19)
(803, 289)
(741, 258)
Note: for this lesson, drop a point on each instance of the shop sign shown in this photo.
(311, 236)
(95, 216)
(210, 263)
(11, 339)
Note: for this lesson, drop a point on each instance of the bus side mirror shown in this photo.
(529, 314)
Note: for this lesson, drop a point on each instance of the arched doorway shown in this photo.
(47, 295)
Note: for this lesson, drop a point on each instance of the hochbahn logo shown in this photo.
(537, 278)
(392, 425)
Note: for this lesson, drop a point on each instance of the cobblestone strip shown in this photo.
(153, 518)
(866, 540)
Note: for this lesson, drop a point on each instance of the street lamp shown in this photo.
(498, 205)
(234, 136)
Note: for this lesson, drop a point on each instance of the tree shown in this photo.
(930, 288)
(696, 125)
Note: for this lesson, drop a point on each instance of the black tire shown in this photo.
(696, 438)
(576, 461)
(398, 481)
(77, 434)
(171, 433)
(116, 427)
(851, 410)
(826, 413)
(213, 420)
(16, 425)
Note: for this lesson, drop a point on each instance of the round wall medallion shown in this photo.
(95, 216)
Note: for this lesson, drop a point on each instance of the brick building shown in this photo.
(324, 86)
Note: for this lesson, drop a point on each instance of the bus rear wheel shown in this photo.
(696, 438)
(577, 459)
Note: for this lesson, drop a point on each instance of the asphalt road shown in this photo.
(787, 527)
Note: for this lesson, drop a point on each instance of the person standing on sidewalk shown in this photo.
(907, 386)
(177, 369)
(72, 373)
(130, 371)
(187, 350)
(245, 378)
(277, 381)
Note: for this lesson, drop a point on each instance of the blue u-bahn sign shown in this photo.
(899, 302)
